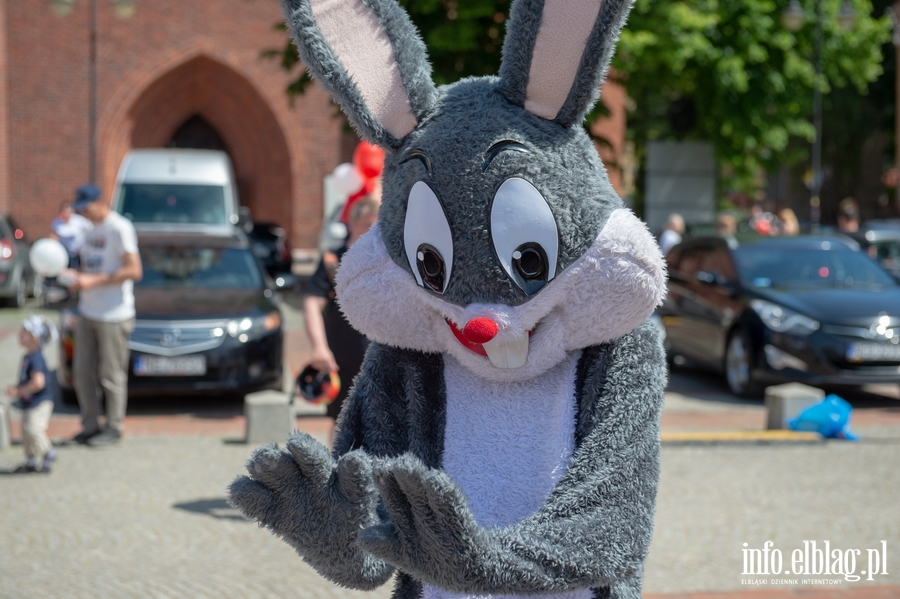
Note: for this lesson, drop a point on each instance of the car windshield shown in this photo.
(825, 267)
(168, 203)
(207, 268)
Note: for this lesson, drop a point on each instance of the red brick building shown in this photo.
(175, 72)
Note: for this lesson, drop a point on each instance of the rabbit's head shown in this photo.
(500, 239)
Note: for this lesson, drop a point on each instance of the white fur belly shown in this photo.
(507, 445)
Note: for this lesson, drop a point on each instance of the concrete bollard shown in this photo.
(785, 402)
(270, 417)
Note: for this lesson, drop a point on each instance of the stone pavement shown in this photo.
(147, 518)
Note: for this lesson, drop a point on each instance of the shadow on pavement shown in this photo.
(226, 406)
(217, 508)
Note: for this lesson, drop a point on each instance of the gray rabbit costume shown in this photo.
(502, 438)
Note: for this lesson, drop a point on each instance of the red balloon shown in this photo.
(368, 159)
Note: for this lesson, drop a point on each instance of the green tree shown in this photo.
(728, 72)
(724, 71)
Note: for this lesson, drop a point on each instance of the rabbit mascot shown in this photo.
(502, 437)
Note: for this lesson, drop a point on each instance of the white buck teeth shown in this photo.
(507, 354)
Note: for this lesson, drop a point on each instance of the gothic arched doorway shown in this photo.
(203, 101)
(197, 133)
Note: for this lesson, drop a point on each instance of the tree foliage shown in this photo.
(724, 71)
(748, 81)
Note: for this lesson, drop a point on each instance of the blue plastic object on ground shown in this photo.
(830, 418)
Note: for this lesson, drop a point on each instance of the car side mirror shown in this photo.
(244, 220)
(709, 278)
(714, 278)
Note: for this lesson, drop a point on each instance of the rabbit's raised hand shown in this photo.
(304, 496)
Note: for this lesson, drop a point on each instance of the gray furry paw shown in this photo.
(315, 503)
(432, 534)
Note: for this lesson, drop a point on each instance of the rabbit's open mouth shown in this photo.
(479, 336)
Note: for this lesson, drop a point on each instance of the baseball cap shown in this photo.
(42, 329)
(86, 194)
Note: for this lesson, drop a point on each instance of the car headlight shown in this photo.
(783, 320)
(244, 329)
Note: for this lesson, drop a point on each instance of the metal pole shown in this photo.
(815, 209)
(92, 95)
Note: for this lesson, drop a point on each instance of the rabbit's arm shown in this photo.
(593, 531)
(318, 503)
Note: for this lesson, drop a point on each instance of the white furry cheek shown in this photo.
(615, 285)
(383, 301)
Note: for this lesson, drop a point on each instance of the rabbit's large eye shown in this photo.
(524, 234)
(427, 239)
(431, 267)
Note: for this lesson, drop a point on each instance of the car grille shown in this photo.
(863, 335)
(177, 338)
(862, 332)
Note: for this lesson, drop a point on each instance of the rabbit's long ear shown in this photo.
(368, 54)
(556, 54)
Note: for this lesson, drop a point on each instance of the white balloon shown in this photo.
(48, 257)
(347, 179)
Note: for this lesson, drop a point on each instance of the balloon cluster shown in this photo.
(359, 178)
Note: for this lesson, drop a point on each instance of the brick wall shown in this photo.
(4, 112)
(171, 60)
(612, 129)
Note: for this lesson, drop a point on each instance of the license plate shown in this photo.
(165, 366)
(873, 352)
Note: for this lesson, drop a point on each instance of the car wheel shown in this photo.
(739, 364)
(21, 295)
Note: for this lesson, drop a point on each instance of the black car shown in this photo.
(272, 246)
(805, 309)
(206, 321)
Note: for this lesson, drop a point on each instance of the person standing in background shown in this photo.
(671, 232)
(336, 345)
(789, 226)
(848, 224)
(110, 265)
(69, 229)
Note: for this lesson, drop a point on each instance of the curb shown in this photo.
(738, 437)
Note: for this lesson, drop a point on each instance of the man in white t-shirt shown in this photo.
(110, 264)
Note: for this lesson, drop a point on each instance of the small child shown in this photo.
(34, 396)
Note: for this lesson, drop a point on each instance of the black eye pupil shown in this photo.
(431, 267)
(530, 263)
(431, 263)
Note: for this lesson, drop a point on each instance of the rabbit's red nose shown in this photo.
(480, 330)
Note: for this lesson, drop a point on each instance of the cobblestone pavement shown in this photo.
(147, 518)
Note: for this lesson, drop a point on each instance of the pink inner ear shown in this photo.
(561, 39)
(363, 48)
